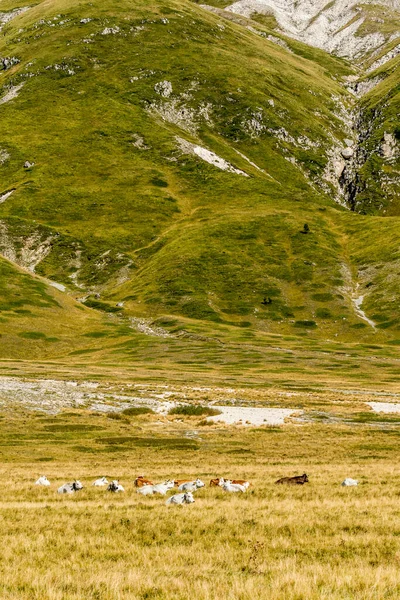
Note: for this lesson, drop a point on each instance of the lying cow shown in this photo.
(114, 486)
(43, 481)
(159, 488)
(191, 486)
(162, 488)
(178, 482)
(100, 482)
(297, 480)
(220, 482)
(242, 482)
(228, 486)
(186, 498)
(349, 482)
(141, 481)
(70, 488)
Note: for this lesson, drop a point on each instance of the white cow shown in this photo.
(186, 498)
(162, 488)
(191, 486)
(115, 487)
(158, 488)
(228, 486)
(146, 490)
(70, 488)
(100, 482)
(43, 481)
(245, 484)
(349, 482)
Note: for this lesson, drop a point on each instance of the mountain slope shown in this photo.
(347, 28)
(180, 163)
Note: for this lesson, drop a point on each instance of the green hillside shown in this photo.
(181, 166)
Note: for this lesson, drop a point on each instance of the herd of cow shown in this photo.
(145, 487)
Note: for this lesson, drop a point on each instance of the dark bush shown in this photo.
(194, 410)
(305, 324)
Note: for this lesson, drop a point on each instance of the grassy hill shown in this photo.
(182, 166)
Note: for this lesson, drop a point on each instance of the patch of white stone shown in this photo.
(208, 156)
(332, 26)
(12, 93)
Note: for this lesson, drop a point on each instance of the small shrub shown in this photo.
(115, 416)
(322, 297)
(133, 411)
(32, 335)
(323, 313)
(90, 303)
(96, 334)
(157, 181)
(194, 410)
(305, 324)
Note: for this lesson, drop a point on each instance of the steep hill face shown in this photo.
(347, 28)
(173, 160)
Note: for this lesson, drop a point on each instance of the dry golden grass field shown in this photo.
(317, 541)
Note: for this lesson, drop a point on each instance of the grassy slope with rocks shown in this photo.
(116, 204)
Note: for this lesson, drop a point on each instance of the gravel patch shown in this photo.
(384, 407)
(252, 416)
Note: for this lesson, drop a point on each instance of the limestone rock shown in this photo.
(334, 26)
(347, 153)
(389, 146)
(164, 88)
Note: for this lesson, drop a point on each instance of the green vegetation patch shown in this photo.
(135, 411)
(194, 410)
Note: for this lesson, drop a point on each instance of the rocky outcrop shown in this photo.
(6, 17)
(389, 146)
(26, 252)
(11, 93)
(334, 26)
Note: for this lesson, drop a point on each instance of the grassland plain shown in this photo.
(318, 541)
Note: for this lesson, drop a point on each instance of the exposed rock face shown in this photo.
(164, 88)
(27, 253)
(389, 147)
(385, 58)
(8, 62)
(6, 17)
(208, 156)
(12, 93)
(333, 26)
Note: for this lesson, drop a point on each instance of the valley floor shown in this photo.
(309, 542)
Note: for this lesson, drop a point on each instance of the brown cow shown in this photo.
(141, 481)
(297, 480)
(220, 480)
(178, 482)
(241, 482)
